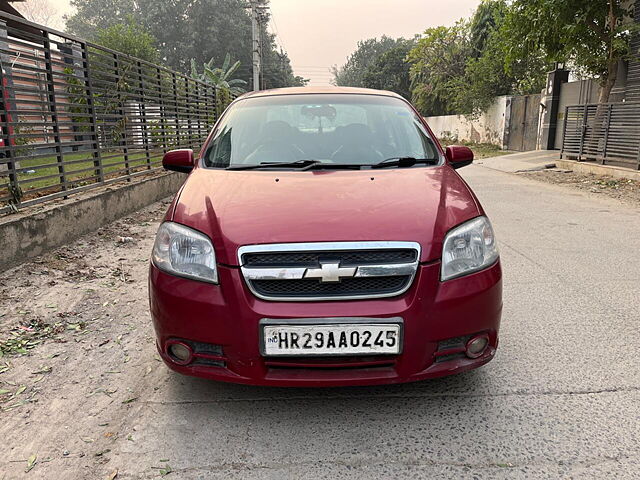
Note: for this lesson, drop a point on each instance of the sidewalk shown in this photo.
(536, 160)
(521, 161)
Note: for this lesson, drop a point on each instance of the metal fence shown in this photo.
(605, 133)
(75, 115)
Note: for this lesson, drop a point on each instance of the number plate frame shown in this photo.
(313, 322)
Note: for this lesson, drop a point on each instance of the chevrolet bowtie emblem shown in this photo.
(330, 272)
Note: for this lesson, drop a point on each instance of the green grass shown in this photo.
(81, 168)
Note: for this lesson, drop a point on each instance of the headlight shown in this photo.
(468, 248)
(184, 252)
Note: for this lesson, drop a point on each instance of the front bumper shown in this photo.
(228, 315)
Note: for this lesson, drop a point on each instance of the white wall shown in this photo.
(487, 128)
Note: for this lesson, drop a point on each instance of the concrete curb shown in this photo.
(29, 234)
(596, 169)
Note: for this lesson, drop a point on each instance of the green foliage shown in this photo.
(110, 101)
(590, 35)
(190, 29)
(223, 99)
(480, 150)
(219, 77)
(130, 38)
(352, 73)
(277, 71)
(505, 48)
(94, 14)
(390, 71)
(461, 69)
(458, 69)
(485, 20)
(162, 133)
(487, 75)
(438, 63)
(22, 140)
(28, 336)
(77, 95)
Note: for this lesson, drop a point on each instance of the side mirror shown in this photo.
(179, 160)
(459, 156)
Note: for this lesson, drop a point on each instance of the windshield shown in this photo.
(338, 129)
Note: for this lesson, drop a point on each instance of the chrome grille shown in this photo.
(329, 271)
(312, 259)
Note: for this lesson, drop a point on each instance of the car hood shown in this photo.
(236, 208)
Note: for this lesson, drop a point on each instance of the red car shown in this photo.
(324, 238)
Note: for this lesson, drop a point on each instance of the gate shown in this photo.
(523, 133)
(604, 133)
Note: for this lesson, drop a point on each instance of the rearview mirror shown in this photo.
(459, 156)
(179, 160)
(315, 111)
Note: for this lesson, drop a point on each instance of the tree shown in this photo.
(40, 11)
(219, 77)
(92, 15)
(438, 63)
(591, 35)
(484, 22)
(276, 66)
(130, 38)
(463, 68)
(186, 29)
(486, 73)
(352, 73)
(390, 71)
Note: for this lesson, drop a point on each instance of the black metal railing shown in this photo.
(605, 133)
(75, 115)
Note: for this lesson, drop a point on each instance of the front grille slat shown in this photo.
(295, 272)
(331, 363)
(312, 287)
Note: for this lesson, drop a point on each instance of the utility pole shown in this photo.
(255, 45)
(257, 7)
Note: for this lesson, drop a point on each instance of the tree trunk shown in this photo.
(594, 143)
(609, 81)
(595, 129)
(612, 59)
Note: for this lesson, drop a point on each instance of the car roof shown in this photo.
(318, 90)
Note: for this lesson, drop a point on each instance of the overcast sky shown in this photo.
(320, 33)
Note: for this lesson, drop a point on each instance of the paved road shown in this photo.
(560, 400)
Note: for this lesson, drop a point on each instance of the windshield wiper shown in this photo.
(404, 162)
(329, 166)
(297, 163)
(304, 165)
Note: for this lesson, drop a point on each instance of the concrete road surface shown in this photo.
(560, 400)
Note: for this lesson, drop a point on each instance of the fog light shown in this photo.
(477, 345)
(180, 352)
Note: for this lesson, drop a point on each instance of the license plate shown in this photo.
(332, 339)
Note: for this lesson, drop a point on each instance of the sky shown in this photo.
(320, 33)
